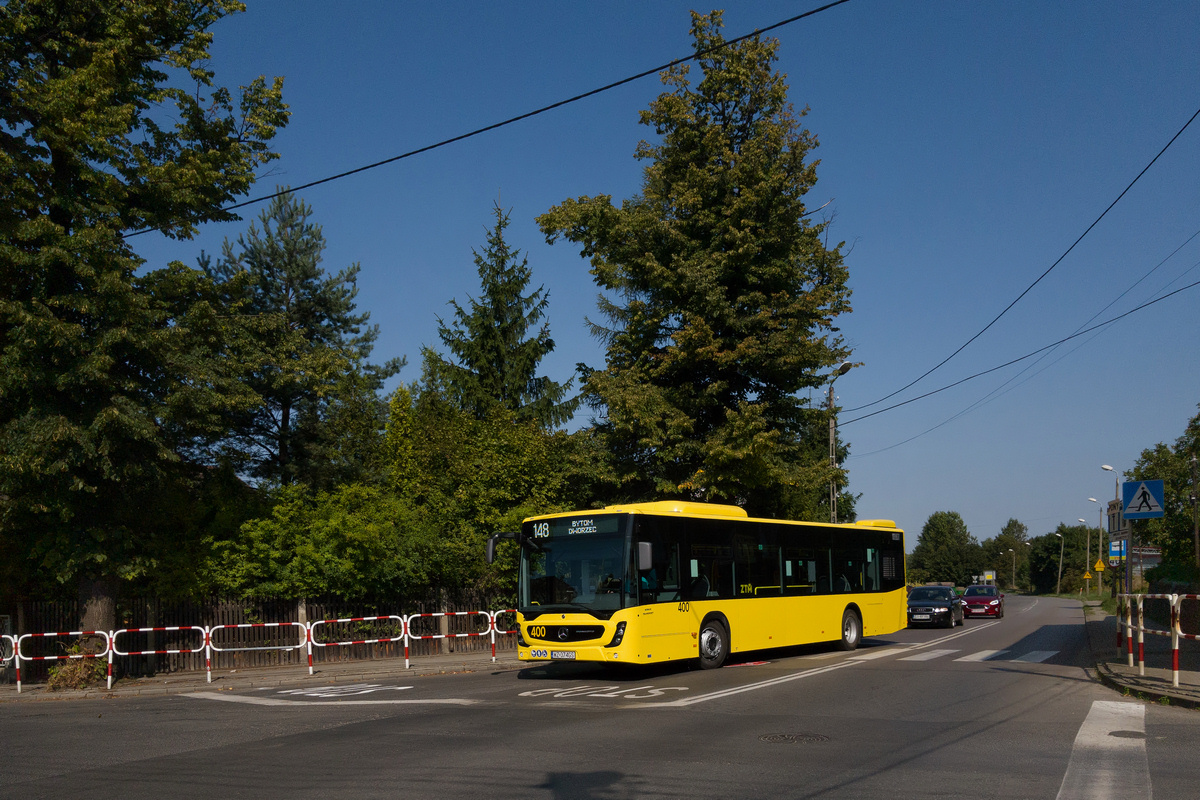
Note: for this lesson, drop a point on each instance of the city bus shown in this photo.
(661, 581)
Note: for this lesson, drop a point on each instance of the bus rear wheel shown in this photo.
(714, 644)
(851, 630)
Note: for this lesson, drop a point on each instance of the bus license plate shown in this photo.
(563, 655)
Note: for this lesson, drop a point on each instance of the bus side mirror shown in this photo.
(491, 549)
(645, 555)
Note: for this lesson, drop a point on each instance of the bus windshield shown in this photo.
(580, 568)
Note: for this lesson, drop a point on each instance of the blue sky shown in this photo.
(963, 148)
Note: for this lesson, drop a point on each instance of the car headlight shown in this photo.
(940, 609)
(994, 603)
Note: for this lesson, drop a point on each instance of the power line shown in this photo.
(511, 120)
(1022, 358)
(1028, 288)
(1000, 390)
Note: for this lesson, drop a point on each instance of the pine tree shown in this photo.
(720, 292)
(493, 361)
(319, 420)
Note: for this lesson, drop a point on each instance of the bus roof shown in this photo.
(693, 509)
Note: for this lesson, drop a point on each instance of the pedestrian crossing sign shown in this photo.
(1142, 499)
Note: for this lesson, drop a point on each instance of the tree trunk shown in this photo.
(97, 609)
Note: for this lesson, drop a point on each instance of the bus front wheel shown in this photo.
(714, 644)
(851, 630)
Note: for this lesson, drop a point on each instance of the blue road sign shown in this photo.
(1142, 499)
(1116, 552)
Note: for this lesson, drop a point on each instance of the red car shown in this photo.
(983, 601)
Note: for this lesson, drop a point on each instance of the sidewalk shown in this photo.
(240, 680)
(1114, 671)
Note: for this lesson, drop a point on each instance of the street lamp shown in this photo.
(1061, 542)
(1087, 558)
(1100, 543)
(1128, 536)
(842, 369)
(1014, 572)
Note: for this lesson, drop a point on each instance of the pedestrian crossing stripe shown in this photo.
(1032, 657)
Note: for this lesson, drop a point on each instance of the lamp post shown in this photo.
(842, 369)
(1061, 542)
(1014, 572)
(1129, 536)
(1100, 543)
(1030, 546)
(1087, 558)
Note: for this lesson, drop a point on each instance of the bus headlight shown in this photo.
(521, 638)
(618, 636)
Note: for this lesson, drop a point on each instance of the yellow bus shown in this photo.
(650, 582)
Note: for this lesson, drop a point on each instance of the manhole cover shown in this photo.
(793, 738)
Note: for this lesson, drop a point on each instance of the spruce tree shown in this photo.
(109, 124)
(319, 419)
(493, 359)
(719, 290)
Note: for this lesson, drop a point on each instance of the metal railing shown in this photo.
(1126, 628)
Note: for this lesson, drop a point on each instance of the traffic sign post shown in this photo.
(1139, 500)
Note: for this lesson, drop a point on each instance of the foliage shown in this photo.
(492, 362)
(1174, 532)
(109, 123)
(1014, 535)
(721, 293)
(1045, 556)
(319, 419)
(354, 542)
(77, 673)
(946, 550)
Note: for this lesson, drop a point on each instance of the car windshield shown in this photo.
(981, 591)
(926, 593)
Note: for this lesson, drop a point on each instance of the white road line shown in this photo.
(928, 655)
(982, 655)
(1108, 759)
(1035, 657)
(271, 701)
(750, 687)
(878, 653)
(952, 636)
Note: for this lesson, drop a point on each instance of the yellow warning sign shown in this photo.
(1099, 565)
(1087, 576)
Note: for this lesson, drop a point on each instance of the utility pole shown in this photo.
(1195, 519)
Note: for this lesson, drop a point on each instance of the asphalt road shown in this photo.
(995, 709)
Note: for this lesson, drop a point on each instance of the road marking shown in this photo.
(982, 655)
(1108, 759)
(881, 653)
(750, 687)
(343, 691)
(1035, 657)
(928, 655)
(271, 701)
(952, 636)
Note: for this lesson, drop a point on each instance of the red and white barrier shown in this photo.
(489, 623)
(8, 652)
(1175, 634)
(487, 616)
(312, 626)
(114, 650)
(65, 656)
(496, 629)
(212, 646)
